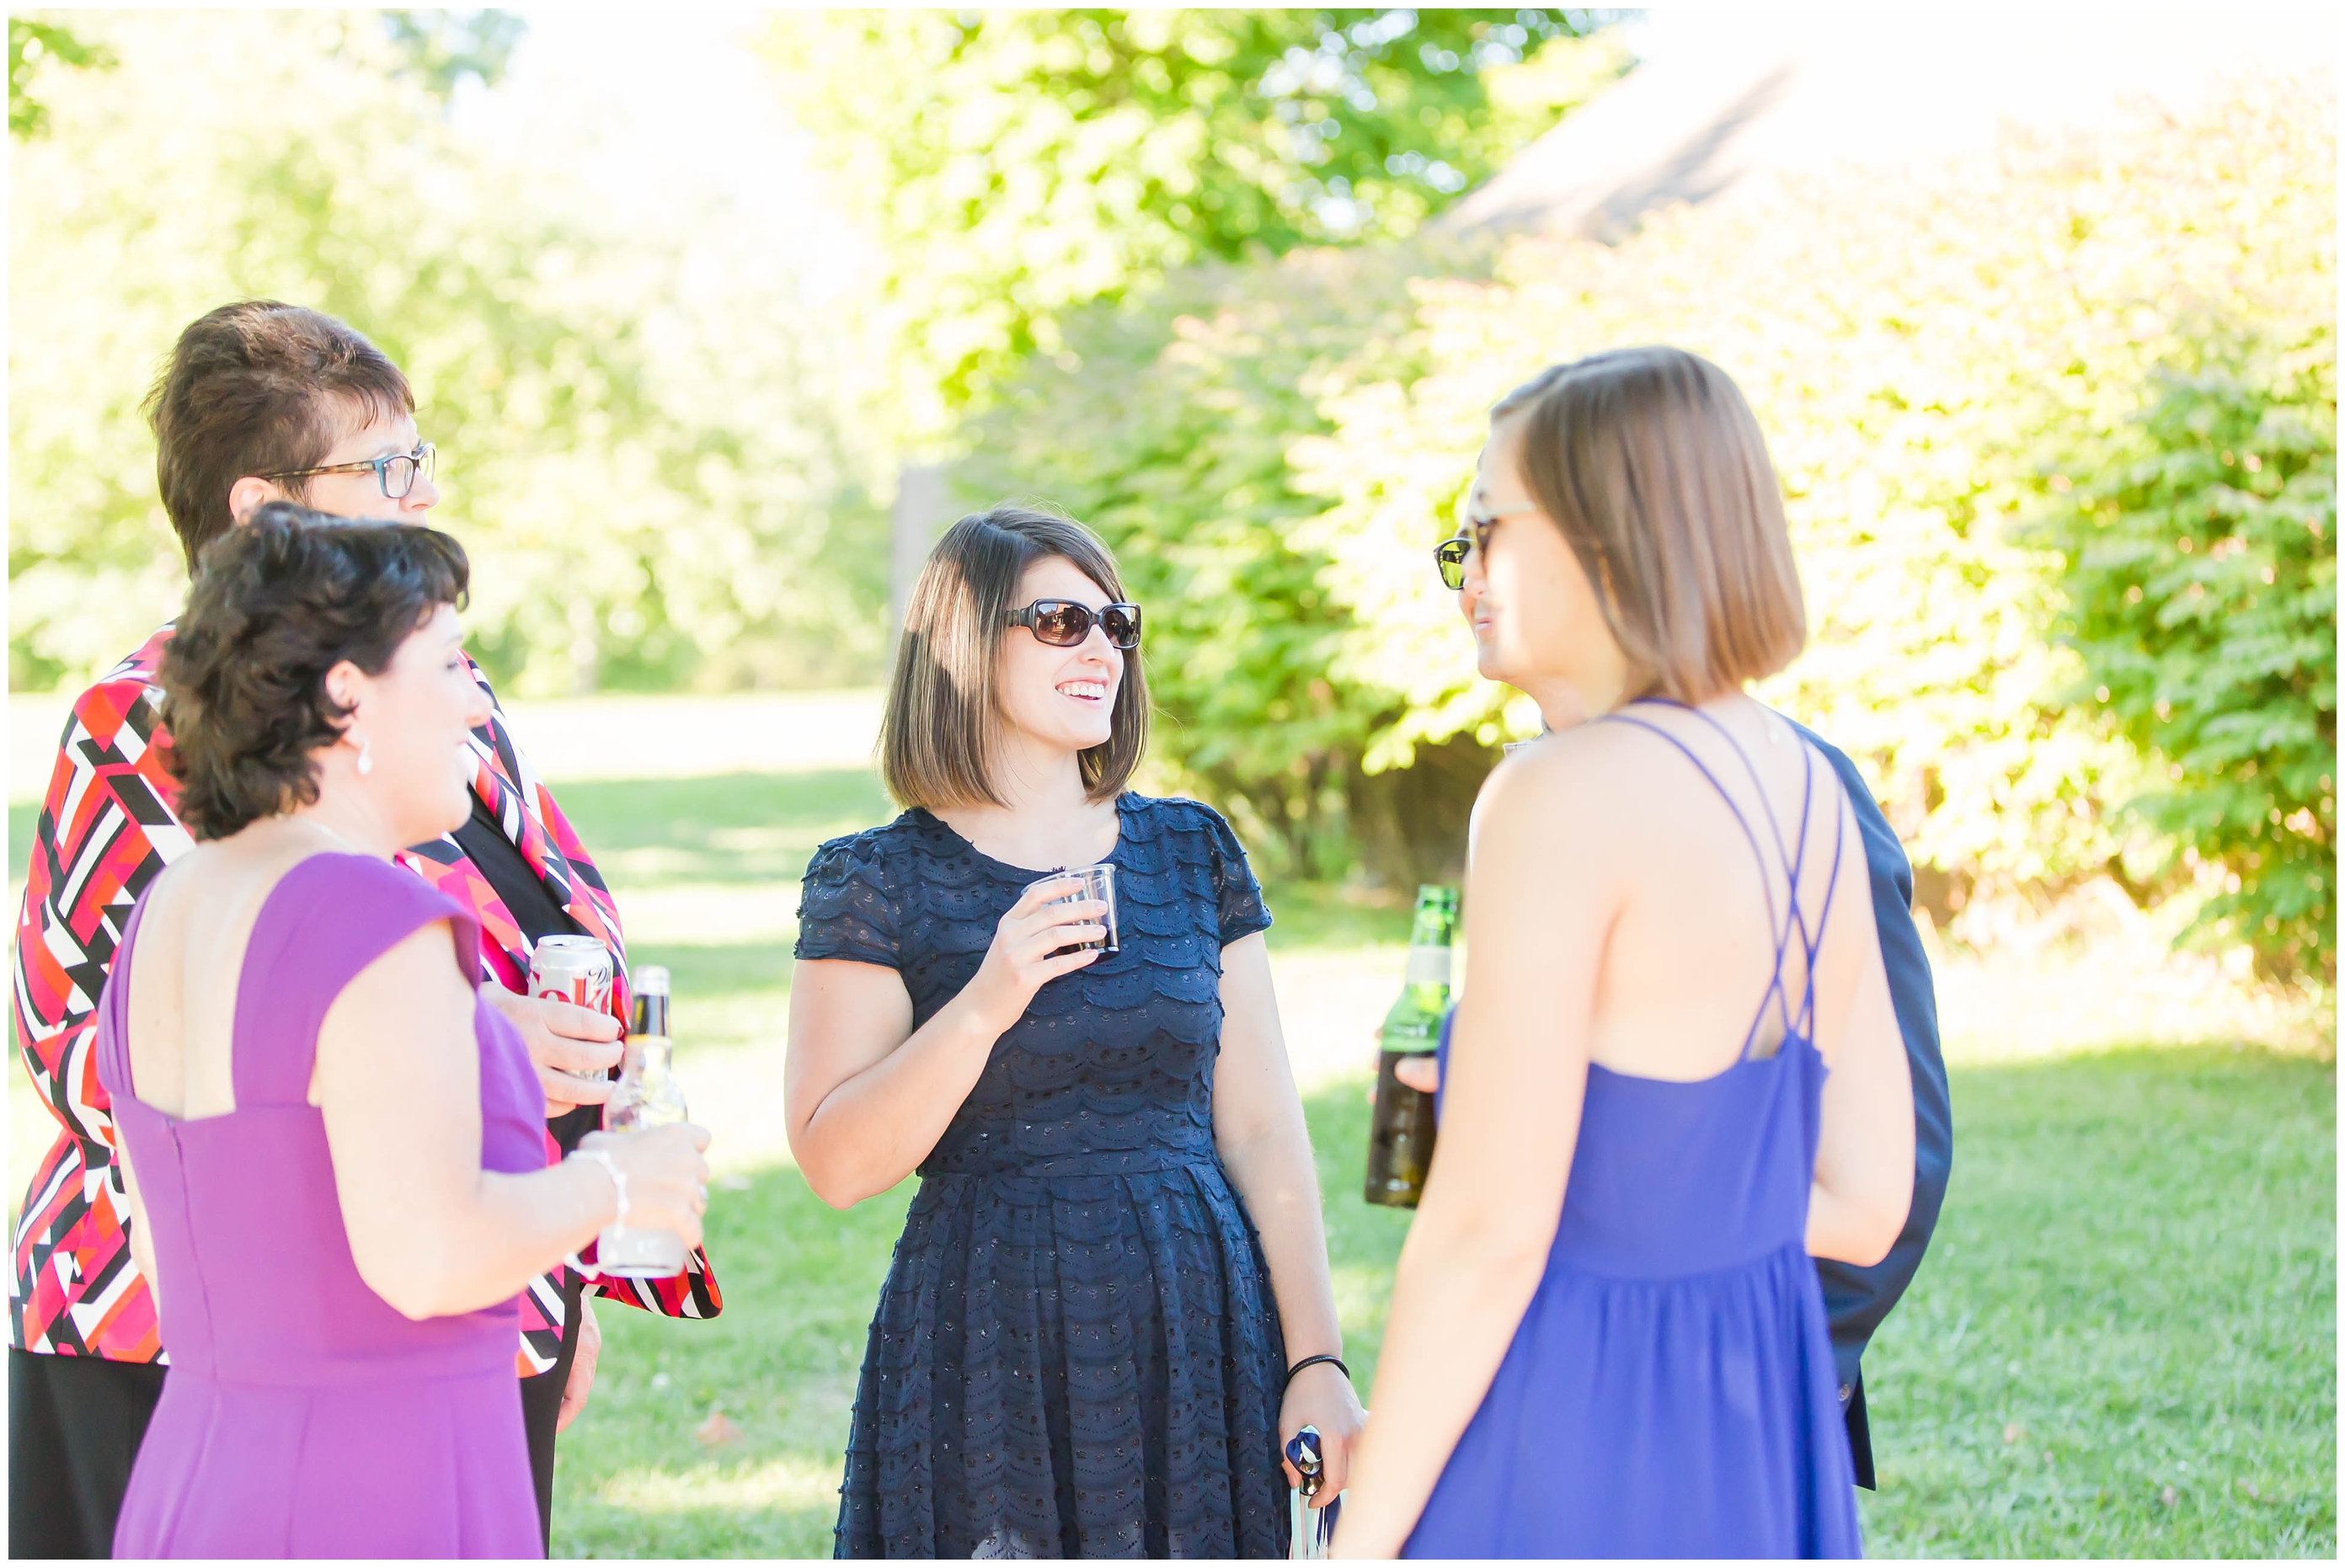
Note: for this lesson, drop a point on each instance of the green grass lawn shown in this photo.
(2122, 1342)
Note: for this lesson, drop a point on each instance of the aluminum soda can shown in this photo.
(575, 969)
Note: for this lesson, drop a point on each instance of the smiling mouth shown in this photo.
(1084, 691)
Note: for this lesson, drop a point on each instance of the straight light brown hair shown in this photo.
(1652, 464)
(944, 706)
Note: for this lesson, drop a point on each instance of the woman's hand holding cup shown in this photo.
(668, 1179)
(1030, 948)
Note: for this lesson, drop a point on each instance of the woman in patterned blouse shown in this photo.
(260, 401)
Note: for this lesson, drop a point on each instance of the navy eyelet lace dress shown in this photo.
(1076, 1353)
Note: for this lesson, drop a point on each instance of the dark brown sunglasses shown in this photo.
(1063, 623)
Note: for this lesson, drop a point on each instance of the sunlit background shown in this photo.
(716, 318)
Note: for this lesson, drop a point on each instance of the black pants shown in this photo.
(74, 1424)
(541, 1405)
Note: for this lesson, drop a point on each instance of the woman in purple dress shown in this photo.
(1676, 1072)
(334, 1150)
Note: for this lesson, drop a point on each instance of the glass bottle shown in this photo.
(1400, 1142)
(647, 1095)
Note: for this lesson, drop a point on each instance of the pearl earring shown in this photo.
(366, 757)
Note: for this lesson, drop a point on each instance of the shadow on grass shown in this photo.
(2123, 1341)
(731, 828)
(763, 827)
(800, 1280)
(800, 1283)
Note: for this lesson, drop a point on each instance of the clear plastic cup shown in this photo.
(1086, 882)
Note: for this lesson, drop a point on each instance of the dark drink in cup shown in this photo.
(1095, 881)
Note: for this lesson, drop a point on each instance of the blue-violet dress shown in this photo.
(1669, 1391)
(1076, 1352)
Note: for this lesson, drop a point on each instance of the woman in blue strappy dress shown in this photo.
(1676, 1074)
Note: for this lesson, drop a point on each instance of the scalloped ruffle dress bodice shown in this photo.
(1076, 1352)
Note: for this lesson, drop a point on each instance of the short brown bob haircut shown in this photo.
(276, 604)
(944, 709)
(1652, 464)
(255, 388)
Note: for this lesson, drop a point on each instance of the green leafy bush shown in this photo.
(1926, 349)
(1169, 434)
(2201, 590)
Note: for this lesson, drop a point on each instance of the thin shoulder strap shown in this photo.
(1792, 922)
(324, 922)
(1795, 857)
(1814, 942)
(1766, 885)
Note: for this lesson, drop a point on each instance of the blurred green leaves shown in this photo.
(640, 444)
(32, 45)
(1932, 354)
(1170, 433)
(445, 47)
(2200, 556)
(1013, 165)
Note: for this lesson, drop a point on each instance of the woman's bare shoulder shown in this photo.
(1555, 783)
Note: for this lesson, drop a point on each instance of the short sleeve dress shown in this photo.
(1076, 1351)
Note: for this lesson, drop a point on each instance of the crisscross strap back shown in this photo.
(324, 922)
(1792, 922)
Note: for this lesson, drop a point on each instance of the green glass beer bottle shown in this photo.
(1400, 1142)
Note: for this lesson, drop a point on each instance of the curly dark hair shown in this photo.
(276, 604)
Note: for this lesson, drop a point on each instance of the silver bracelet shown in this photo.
(618, 1179)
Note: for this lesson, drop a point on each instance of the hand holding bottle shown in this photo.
(667, 1175)
(1401, 1136)
(1421, 1072)
(647, 1098)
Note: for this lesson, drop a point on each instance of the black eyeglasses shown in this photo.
(397, 473)
(1063, 623)
(1473, 534)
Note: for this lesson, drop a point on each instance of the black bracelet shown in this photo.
(1334, 1362)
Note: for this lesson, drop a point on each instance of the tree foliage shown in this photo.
(639, 442)
(1169, 431)
(1013, 164)
(446, 49)
(1928, 354)
(32, 45)
(2201, 590)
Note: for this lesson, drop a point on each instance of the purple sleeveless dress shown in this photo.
(304, 1417)
(1670, 1390)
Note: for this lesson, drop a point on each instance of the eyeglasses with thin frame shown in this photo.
(1473, 534)
(396, 474)
(1064, 623)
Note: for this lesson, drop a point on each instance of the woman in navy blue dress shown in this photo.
(1677, 1074)
(1111, 1304)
